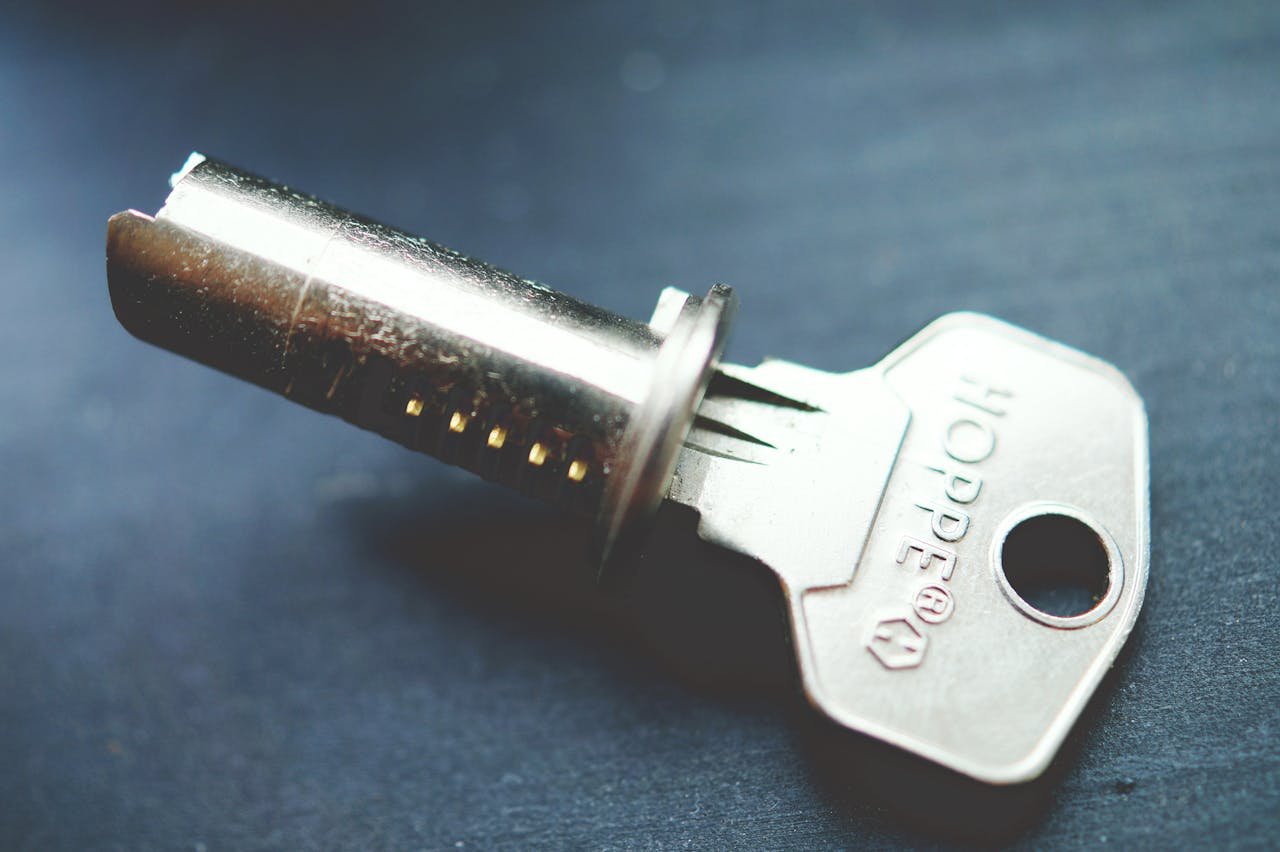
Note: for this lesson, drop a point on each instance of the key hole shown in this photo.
(1057, 564)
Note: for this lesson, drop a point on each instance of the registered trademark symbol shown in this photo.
(934, 604)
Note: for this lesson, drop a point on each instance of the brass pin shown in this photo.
(458, 422)
(577, 470)
(497, 437)
(537, 455)
(413, 407)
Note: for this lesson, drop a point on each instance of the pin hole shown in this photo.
(1057, 564)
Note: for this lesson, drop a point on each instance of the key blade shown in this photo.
(802, 494)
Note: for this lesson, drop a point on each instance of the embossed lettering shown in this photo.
(960, 487)
(928, 553)
(982, 396)
(947, 524)
(969, 441)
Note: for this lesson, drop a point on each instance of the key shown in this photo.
(908, 509)
(923, 516)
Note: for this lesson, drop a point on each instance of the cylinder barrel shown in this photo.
(432, 349)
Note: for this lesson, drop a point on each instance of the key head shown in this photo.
(1006, 468)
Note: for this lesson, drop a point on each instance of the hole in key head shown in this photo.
(1057, 564)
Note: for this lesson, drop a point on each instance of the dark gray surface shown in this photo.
(227, 623)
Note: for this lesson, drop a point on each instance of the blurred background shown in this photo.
(226, 622)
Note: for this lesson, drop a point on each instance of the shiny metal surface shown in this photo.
(884, 499)
(559, 399)
(883, 508)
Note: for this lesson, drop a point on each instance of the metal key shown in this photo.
(914, 511)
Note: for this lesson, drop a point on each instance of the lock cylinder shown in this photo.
(444, 354)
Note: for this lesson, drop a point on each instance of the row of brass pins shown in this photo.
(539, 451)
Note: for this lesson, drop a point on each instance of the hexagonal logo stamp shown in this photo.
(897, 644)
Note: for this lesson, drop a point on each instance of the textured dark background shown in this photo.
(227, 623)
